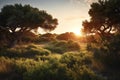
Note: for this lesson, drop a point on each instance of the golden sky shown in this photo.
(70, 13)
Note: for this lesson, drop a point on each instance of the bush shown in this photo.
(79, 66)
(73, 58)
(108, 52)
(24, 51)
(51, 70)
(71, 66)
(47, 37)
(57, 70)
(14, 69)
(8, 69)
(37, 50)
(67, 36)
(63, 46)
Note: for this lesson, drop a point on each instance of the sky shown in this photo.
(70, 13)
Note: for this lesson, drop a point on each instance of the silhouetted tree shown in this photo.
(105, 15)
(20, 19)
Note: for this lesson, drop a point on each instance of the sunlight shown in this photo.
(78, 32)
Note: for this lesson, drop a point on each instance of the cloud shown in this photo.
(83, 1)
(73, 18)
(90, 1)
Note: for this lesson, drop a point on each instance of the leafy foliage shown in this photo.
(24, 51)
(104, 18)
(47, 37)
(69, 66)
(55, 69)
(16, 20)
(108, 52)
(63, 46)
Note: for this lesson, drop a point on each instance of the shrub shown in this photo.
(47, 37)
(79, 66)
(67, 36)
(8, 69)
(108, 52)
(71, 66)
(14, 69)
(63, 46)
(37, 50)
(72, 58)
(107, 55)
(51, 70)
(24, 51)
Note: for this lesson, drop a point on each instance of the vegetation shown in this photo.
(106, 57)
(24, 51)
(63, 46)
(66, 36)
(64, 56)
(71, 66)
(104, 29)
(47, 37)
(104, 18)
(15, 20)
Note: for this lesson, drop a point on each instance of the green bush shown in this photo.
(47, 37)
(107, 55)
(14, 69)
(71, 66)
(8, 69)
(37, 50)
(72, 58)
(108, 52)
(63, 46)
(55, 70)
(24, 51)
(51, 70)
(79, 66)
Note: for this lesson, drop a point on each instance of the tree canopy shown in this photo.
(104, 18)
(21, 18)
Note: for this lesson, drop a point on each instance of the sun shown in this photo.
(78, 32)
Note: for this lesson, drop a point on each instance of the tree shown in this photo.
(105, 15)
(20, 19)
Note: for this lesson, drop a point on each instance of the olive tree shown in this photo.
(104, 18)
(17, 19)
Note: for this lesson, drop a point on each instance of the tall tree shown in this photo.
(105, 18)
(17, 19)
